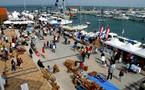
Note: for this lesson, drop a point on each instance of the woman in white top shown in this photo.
(103, 59)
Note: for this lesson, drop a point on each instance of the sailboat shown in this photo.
(61, 10)
(79, 27)
(60, 17)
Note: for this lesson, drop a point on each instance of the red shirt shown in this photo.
(81, 65)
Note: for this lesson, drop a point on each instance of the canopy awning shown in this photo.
(18, 22)
(64, 22)
(54, 22)
(128, 47)
(43, 19)
(78, 27)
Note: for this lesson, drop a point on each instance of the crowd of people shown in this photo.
(39, 33)
(85, 50)
(10, 47)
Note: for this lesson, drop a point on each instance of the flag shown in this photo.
(37, 53)
(43, 51)
(101, 31)
(107, 32)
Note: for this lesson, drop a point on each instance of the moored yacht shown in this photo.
(121, 16)
(125, 44)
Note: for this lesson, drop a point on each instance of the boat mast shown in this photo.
(80, 15)
(41, 4)
(100, 19)
(122, 32)
(63, 7)
(25, 5)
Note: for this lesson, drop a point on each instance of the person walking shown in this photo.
(110, 72)
(113, 62)
(81, 66)
(40, 64)
(103, 59)
(43, 50)
(74, 45)
(65, 40)
(89, 51)
(53, 48)
(121, 74)
(13, 64)
(49, 69)
(30, 52)
(131, 57)
(83, 55)
(19, 62)
(47, 43)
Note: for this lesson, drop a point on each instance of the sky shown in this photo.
(128, 3)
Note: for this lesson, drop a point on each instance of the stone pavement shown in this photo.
(64, 52)
(130, 81)
(27, 73)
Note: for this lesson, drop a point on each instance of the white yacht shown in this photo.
(121, 16)
(75, 28)
(126, 44)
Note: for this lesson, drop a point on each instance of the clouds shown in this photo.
(130, 3)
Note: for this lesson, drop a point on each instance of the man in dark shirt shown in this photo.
(40, 64)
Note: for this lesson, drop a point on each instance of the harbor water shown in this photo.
(132, 29)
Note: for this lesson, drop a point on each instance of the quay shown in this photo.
(36, 66)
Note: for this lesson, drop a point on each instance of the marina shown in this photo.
(72, 48)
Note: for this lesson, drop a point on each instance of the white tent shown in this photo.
(15, 15)
(53, 22)
(29, 22)
(64, 22)
(7, 22)
(72, 28)
(43, 19)
(18, 22)
(10, 16)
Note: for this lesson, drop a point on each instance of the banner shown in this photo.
(107, 32)
(101, 31)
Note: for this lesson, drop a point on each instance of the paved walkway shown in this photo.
(29, 73)
(64, 52)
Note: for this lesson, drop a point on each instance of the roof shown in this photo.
(18, 22)
(3, 14)
(3, 11)
(128, 47)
